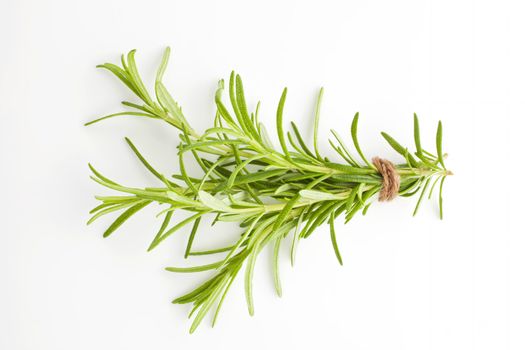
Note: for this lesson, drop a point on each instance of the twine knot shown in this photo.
(390, 176)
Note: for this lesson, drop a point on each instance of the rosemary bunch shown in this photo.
(271, 192)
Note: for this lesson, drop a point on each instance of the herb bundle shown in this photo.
(272, 193)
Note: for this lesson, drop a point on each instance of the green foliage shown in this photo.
(271, 193)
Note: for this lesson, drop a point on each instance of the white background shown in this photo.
(407, 283)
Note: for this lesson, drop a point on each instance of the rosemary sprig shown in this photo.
(271, 193)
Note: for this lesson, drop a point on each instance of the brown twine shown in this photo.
(390, 179)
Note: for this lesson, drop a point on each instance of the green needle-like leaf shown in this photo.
(136, 114)
(192, 237)
(276, 278)
(124, 216)
(421, 196)
(356, 142)
(280, 132)
(143, 160)
(441, 197)
(417, 137)
(334, 240)
(248, 280)
(194, 268)
(316, 122)
(173, 230)
(439, 144)
(163, 65)
(399, 149)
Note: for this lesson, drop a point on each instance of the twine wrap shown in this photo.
(390, 176)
